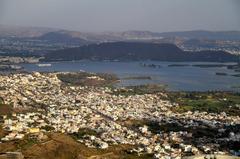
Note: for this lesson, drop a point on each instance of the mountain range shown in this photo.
(38, 32)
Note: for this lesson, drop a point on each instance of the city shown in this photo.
(139, 79)
(56, 107)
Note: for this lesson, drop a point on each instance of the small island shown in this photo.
(178, 65)
(151, 65)
(221, 74)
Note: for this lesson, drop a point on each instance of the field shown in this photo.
(140, 90)
(212, 102)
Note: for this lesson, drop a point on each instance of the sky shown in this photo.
(122, 15)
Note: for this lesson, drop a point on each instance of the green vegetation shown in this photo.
(140, 90)
(48, 128)
(84, 131)
(156, 127)
(212, 102)
(26, 143)
(88, 79)
(153, 126)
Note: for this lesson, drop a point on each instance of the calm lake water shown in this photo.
(187, 78)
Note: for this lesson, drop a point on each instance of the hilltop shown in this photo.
(137, 51)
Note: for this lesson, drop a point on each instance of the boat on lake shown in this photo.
(44, 65)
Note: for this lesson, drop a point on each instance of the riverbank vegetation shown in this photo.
(88, 79)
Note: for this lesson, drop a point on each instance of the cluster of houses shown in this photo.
(69, 109)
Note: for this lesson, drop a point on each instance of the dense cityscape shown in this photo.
(100, 119)
(137, 79)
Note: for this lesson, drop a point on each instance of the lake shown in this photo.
(178, 78)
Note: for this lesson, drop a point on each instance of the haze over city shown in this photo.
(113, 15)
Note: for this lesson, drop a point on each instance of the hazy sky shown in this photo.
(120, 15)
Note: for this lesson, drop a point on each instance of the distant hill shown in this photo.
(137, 51)
(147, 35)
(62, 37)
(17, 31)
(210, 35)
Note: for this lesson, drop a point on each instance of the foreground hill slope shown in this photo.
(137, 51)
